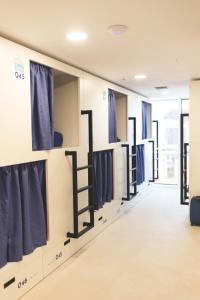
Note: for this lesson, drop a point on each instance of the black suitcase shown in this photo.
(195, 211)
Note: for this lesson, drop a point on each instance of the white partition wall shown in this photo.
(75, 90)
(194, 138)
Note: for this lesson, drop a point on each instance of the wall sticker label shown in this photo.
(104, 95)
(19, 69)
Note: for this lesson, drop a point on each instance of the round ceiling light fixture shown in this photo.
(166, 92)
(140, 76)
(76, 36)
(117, 29)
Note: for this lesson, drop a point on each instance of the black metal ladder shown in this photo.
(185, 171)
(153, 161)
(156, 153)
(131, 172)
(76, 191)
(184, 152)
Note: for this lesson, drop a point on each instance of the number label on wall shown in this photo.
(59, 255)
(104, 95)
(22, 283)
(19, 70)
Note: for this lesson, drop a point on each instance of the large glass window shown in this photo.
(167, 112)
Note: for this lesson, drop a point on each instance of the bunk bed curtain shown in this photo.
(102, 177)
(112, 117)
(42, 106)
(22, 210)
(146, 120)
(140, 164)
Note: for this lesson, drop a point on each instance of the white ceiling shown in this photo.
(163, 40)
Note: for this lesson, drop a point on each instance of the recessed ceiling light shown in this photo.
(166, 92)
(140, 76)
(117, 29)
(76, 36)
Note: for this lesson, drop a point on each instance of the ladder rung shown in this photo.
(84, 188)
(82, 232)
(130, 197)
(87, 224)
(186, 186)
(81, 211)
(132, 155)
(133, 183)
(84, 167)
(133, 195)
(133, 169)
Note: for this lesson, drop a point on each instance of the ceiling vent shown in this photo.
(161, 88)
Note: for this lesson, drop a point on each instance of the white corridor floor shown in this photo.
(150, 253)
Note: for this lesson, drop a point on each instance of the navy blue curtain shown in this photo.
(146, 120)
(22, 210)
(58, 139)
(42, 106)
(112, 117)
(140, 164)
(102, 177)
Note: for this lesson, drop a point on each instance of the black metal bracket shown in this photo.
(90, 207)
(184, 186)
(9, 282)
(67, 242)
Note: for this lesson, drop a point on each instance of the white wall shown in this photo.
(16, 147)
(194, 139)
